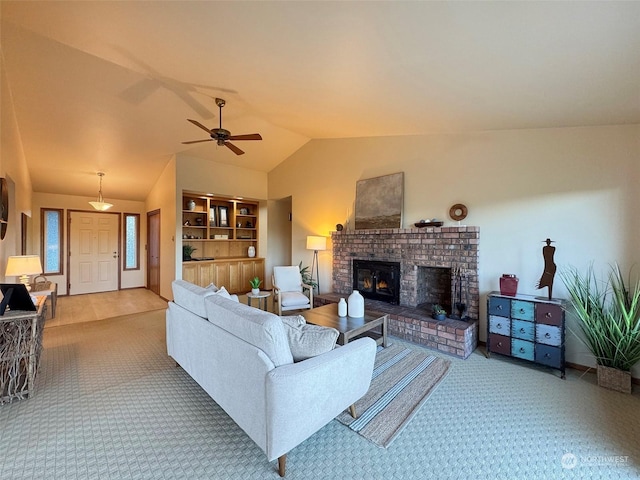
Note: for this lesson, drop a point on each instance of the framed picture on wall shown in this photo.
(223, 216)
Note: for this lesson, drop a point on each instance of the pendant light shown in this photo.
(101, 205)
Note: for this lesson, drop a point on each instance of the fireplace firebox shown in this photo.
(377, 280)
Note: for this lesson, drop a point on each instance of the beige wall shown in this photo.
(129, 278)
(13, 167)
(162, 197)
(577, 186)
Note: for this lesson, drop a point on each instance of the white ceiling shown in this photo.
(109, 85)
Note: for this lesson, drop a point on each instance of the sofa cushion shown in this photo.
(261, 329)
(190, 296)
(306, 341)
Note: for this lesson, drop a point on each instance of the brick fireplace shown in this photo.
(427, 258)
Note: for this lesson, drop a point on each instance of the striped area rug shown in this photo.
(401, 382)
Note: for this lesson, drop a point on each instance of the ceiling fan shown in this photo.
(222, 136)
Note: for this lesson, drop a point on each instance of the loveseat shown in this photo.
(242, 357)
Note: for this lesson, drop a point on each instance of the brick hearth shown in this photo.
(455, 337)
(414, 249)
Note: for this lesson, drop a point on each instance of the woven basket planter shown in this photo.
(614, 379)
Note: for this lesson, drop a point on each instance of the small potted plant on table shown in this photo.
(255, 283)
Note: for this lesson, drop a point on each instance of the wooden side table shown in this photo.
(21, 340)
(262, 299)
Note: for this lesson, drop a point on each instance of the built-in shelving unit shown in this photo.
(222, 231)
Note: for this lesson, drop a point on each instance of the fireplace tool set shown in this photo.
(460, 280)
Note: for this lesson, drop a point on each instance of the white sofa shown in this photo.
(242, 358)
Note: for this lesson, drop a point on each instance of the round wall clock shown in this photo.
(4, 207)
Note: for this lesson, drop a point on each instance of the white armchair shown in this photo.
(289, 289)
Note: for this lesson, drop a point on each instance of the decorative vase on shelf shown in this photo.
(255, 291)
(355, 306)
(251, 251)
(191, 205)
(342, 308)
(508, 285)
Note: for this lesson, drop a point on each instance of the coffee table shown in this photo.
(349, 327)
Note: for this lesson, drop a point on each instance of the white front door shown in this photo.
(93, 252)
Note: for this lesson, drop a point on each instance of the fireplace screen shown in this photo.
(377, 280)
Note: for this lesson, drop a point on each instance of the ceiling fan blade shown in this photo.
(249, 136)
(198, 141)
(233, 148)
(198, 124)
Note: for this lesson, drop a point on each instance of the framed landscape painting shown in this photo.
(379, 202)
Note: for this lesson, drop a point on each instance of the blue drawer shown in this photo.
(522, 349)
(523, 330)
(548, 334)
(548, 355)
(522, 310)
(499, 306)
(500, 325)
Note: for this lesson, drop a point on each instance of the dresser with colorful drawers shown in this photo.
(526, 327)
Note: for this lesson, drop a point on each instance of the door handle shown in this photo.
(115, 255)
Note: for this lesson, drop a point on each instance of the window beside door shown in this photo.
(51, 240)
(131, 241)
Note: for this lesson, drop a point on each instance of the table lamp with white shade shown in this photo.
(316, 243)
(22, 266)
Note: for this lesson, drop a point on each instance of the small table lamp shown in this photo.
(22, 266)
(316, 243)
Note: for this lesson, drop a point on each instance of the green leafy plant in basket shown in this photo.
(255, 282)
(608, 316)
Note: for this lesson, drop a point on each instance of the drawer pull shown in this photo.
(548, 315)
(547, 335)
(499, 307)
(499, 325)
(522, 310)
(522, 330)
(521, 350)
(546, 355)
(499, 344)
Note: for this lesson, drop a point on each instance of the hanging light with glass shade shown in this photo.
(101, 205)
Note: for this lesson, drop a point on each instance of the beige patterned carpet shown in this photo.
(110, 404)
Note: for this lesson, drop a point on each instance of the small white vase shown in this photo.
(255, 291)
(356, 305)
(251, 251)
(191, 205)
(342, 308)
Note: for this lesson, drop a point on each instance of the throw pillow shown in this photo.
(306, 341)
(212, 286)
(223, 293)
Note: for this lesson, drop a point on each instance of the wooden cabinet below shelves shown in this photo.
(232, 273)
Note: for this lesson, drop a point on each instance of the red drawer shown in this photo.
(499, 344)
(549, 314)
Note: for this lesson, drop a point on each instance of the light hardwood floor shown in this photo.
(99, 306)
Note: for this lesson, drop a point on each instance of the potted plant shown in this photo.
(187, 250)
(438, 312)
(608, 314)
(255, 283)
(307, 276)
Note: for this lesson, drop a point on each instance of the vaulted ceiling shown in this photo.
(109, 85)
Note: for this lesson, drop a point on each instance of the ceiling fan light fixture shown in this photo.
(101, 205)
